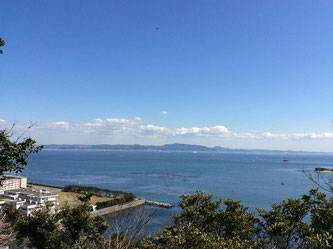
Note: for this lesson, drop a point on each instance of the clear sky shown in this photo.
(240, 74)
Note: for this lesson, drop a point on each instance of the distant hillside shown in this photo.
(166, 147)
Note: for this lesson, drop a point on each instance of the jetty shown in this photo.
(158, 204)
(128, 205)
(117, 208)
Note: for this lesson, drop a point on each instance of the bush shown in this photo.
(117, 201)
(303, 223)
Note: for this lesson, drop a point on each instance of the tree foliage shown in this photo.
(70, 228)
(80, 229)
(97, 191)
(7, 233)
(116, 201)
(305, 222)
(14, 154)
(203, 223)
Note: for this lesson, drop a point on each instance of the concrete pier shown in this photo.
(117, 208)
(158, 204)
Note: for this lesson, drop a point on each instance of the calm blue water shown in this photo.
(255, 179)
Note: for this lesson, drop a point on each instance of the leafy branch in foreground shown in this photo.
(14, 153)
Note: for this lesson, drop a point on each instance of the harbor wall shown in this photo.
(117, 208)
(45, 185)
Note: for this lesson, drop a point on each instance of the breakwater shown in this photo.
(158, 204)
(45, 185)
(117, 208)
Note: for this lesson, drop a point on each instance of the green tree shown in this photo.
(41, 229)
(305, 222)
(284, 225)
(85, 198)
(80, 229)
(321, 210)
(14, 153)
(204, 224)
(70, 228)
(7, 231)
(2, 43)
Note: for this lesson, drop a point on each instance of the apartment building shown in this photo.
(13, 182)
(28, 199)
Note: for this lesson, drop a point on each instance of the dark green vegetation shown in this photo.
(98, 191)
(14, 154)
(322, 169)
(305, 222)
(69, 228)
(204, 224)
(117, 201)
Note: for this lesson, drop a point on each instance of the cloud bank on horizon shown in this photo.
(136, 130)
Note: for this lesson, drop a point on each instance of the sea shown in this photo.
(256, 179)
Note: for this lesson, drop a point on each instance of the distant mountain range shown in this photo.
(166, 147)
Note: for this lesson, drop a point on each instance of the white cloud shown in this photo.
(164, 113)
(203, 131)
(324, 135)
(112, 122)
(118, 128)
(153, 130)
(52, 126)
(61, 124)
(110, 126)
(244, 135)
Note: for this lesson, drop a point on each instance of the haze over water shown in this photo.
(255, 179)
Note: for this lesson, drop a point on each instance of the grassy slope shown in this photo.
(71, 198)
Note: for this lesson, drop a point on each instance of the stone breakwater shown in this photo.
(117, 208)
(158, 204)
(132, 204)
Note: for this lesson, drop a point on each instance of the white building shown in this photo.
(12, 182)
(28, 199)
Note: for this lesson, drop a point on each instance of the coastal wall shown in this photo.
(117, 208)
(45, 185)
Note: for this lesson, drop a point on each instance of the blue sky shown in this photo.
(252, 67)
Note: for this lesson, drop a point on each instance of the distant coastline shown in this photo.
(167, 147)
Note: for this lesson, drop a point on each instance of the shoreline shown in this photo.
(107, 210)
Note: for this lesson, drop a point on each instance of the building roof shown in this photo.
(7, 177)
(29, 204)
(30, 192)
